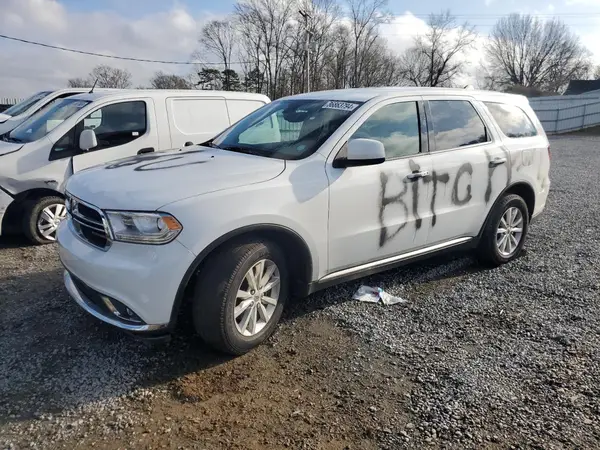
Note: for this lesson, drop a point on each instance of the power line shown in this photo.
(125, 58)
(475, 15)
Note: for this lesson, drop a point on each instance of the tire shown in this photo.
(32, 213)
(488, 252)
(216, 295)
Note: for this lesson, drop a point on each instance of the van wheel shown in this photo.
(41, 218)
(240, 295)
(505, 232)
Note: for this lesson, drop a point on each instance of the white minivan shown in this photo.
(12, 117)
(81, 131)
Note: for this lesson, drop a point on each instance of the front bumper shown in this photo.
(143, 278)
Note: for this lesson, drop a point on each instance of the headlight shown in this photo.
(143, 228)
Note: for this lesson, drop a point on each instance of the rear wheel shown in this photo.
(504, 235)
(41, 219)
(240, 295)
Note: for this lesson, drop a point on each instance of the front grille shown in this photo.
(88, 222)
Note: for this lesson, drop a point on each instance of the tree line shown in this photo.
(281, 47)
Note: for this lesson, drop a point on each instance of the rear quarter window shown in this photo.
(512, 120)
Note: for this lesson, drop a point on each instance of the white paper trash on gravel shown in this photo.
(370, 294)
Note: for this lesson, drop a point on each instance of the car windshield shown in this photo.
(287, 128)
(23, 106)
(44, 121)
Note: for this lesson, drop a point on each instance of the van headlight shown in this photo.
(143, 228)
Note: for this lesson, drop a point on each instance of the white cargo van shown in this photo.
(81, 131)
(12, 117)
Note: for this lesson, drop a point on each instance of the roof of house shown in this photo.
(582, 86)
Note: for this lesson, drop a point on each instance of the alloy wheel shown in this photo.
(257, 298)
(509, 232)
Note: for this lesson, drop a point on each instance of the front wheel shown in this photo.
(504, 235)
(42, 217)
(240, 295)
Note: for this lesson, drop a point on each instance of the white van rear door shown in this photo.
(196, 119)
(123, 129)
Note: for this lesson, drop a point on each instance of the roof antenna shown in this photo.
(92, 90)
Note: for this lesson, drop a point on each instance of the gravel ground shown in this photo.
(503, 358)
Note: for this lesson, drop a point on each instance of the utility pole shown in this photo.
(306, 16)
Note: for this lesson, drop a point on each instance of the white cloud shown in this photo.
(489, 2)
(169, 35)
(583, 2)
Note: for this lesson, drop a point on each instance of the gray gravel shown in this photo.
(486, 358)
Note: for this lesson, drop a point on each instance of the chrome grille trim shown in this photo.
(82, 224)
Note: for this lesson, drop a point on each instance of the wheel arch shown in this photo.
(301, 263)
(14, 213)
(520, 188)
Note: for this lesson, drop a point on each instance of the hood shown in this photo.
(9, 147)
(147, 182)
(4, 117)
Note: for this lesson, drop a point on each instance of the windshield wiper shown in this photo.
(245, 150)
(6, 138)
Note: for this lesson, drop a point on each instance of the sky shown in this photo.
(168, 29)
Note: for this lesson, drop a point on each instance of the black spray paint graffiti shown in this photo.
(465, 168)
(386, 200)
(435, 178)
(491, 168)
(152, 161)
(384, 235)
(457, 198)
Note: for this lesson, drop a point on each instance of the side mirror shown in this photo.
(87, 140)
(362, 152)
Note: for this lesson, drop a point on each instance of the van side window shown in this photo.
(117, 124)
(396, 126)
(512, 120)
(456, 124)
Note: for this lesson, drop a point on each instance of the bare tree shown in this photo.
(436, 57)
(111, 77)
(265, 29)
(78, 83)
(596, 75)
(106, 76)
(162, 80)
(365, 18)
(218, 37)
(530, 52)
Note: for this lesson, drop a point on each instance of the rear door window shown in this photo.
(456, 124)
(512, 120)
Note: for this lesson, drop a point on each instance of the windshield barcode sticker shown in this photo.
(343, 106)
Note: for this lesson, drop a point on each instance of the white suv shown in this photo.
(306, 192)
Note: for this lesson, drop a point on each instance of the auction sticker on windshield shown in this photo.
(343, 106)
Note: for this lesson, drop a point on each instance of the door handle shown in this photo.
(146, 150)
(416, 175)
(497, 161)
